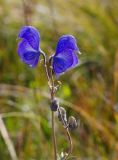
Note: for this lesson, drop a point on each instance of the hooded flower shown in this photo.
(28, 47)
(65, 56)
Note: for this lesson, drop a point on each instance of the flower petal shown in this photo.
(64, 61)
(75, 60)
(66, 42)
(27, 53)
(31, 59)
(32, 35)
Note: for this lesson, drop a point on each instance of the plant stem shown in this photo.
(68, 135)
(46, 69)
(70, 143)
(53, 124)
(52, 93)
(54, 137)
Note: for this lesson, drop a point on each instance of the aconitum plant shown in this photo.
(64, 59)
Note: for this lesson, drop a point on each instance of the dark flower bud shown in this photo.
(54, 105)
(72, 123)
(62, 115)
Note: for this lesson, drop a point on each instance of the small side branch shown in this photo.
(70, 144)
(65, 125)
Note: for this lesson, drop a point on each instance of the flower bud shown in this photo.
(72, 123)
(54, 105)
(62, 115)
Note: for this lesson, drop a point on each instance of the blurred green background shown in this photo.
(89, 92)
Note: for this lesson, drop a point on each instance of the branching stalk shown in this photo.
(52, 92)
(50, 79)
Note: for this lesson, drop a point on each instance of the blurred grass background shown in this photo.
(89, 92)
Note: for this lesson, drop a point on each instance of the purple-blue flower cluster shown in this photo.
(63, 59)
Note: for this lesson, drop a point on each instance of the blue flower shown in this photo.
(29, 50)
(65, 56)
(28, 47)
